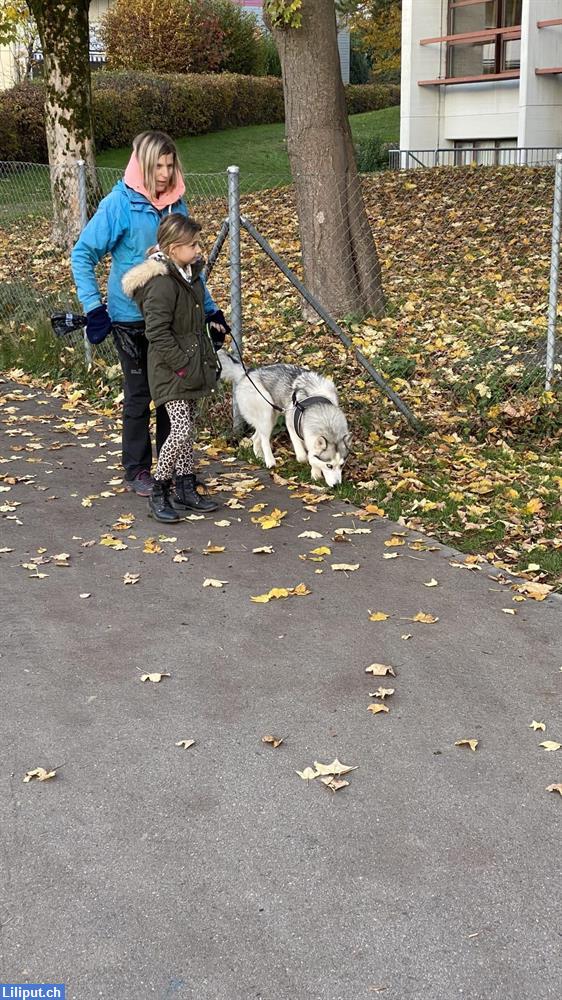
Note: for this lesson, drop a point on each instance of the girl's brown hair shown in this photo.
(176, 228)
(148, 148)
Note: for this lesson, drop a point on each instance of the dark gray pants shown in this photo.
(132, 345)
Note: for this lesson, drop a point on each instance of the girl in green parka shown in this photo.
(182, 361)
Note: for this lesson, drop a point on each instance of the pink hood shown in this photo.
(133, 179)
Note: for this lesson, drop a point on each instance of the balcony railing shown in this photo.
(463, 156)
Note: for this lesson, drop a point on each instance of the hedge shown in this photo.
(127, 103)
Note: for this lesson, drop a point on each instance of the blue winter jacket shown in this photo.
(124, 226)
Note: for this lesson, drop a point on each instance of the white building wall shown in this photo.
(540, 99)
(528, 111)
(420, 107)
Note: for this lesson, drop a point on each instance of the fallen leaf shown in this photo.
(155, 678)
(380, 670)
(407, 635)
(213, 549)
(322, 550)
(381, 693)
(111, 542)
(391, 555)
(378, 616)
(275, 741)
(431, 583)
(536, 591)
(467, 743)
(61, 559)
(185, 744)
(271, 520)
(310, 534)
(346, 567)
(391, 542)
(84, 596)
(219, 524)
(257, 508)
(276, 593)
(509, 611)
(334, 784)
(537, 725)
(131, 578)
(40, 773)
(550, 745)
(209, 582)
(375, 709)
(152, 547)
(266, 549)
(555, 788)
(308, 774)
(424, 618)
(336, 767)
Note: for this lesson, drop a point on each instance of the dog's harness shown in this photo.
(304, 404)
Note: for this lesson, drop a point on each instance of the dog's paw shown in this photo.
(269, 465)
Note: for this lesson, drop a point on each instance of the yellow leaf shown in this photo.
(257, 507)
(151, 546)
(536, 591)
(310, 534)
(467, 743)
(378, 616)
(219, 524)
(275, 741)
(346, 567)
(375, 709)
(155, 678)
(301, 590)
(213, 549)
(431, 583)
(424, 618)
(555, 788)
(550, 745)
(179, 558)
(308, 774)
(271, 520)
(533, 506)
(186, 744)
(336, 767)
(112, 543)
(381, 693)
(62, 559)
(40, 773)
(537, 725)
(391, 555)
(209, 582)
(394, 541)
(380, 670)
(322, 550)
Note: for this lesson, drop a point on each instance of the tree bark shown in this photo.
(340, 261)
(64, 33)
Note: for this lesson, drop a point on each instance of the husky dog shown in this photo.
(309, 401)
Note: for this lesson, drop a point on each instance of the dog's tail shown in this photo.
(232, 370)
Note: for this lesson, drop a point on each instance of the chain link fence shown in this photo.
(458, 326)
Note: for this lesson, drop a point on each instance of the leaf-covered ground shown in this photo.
(465, 257)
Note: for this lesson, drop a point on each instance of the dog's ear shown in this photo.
(320, 443)
(348, 438)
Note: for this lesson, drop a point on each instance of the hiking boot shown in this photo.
(142, 484)
(159, 505)
(186, 496)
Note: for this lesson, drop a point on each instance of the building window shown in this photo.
(500, 53)
(486, 152)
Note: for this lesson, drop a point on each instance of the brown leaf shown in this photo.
(380, 670)
(555, 788)
(467, 743)
(375, 709)
(275, 741)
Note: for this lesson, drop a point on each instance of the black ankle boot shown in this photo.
(186, 496)
(159, 505)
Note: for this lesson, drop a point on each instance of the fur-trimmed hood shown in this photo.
(140, 275)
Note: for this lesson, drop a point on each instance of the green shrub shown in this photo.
(359, 68)
(271, 55)
(371, 97)
(242, 47)
(125, 103)
(372, 154)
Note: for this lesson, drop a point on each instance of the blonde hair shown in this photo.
(176, 228)
(148, 148)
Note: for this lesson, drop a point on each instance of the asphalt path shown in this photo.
(215, 872)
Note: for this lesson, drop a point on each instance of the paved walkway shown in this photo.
(216, 873)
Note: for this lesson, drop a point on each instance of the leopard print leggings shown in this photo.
(176, 454)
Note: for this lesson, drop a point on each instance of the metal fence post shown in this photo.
(235, 275)
(554, 272)
(83, 213)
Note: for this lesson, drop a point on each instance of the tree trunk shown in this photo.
(63, 30)
(340, 260)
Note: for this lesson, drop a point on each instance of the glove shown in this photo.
(98, 324)
(218, 328)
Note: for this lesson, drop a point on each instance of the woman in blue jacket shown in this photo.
(125, 226)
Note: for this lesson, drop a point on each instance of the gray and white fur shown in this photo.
(324, 439)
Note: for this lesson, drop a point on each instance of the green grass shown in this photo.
(259, 150)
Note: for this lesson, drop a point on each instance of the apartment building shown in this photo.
(481, 75)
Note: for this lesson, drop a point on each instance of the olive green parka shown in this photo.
(174, 317)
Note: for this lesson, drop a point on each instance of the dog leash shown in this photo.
(247, 374)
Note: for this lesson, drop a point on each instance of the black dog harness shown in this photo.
(304, 404)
